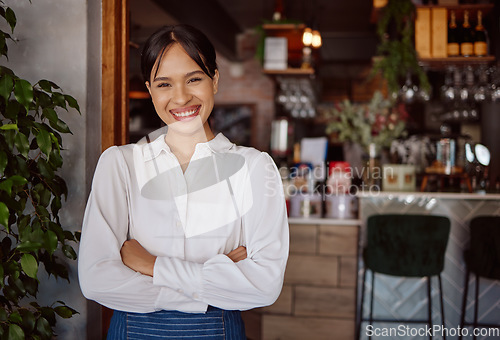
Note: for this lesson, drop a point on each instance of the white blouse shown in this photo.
(228, 196)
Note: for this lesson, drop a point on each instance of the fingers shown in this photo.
(238, 254)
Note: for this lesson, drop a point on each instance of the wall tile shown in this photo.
(338, 240)
(305, 328)
(307, 269)
(325, 301)
(303, 238)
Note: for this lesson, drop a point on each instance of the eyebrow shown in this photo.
(189, 74)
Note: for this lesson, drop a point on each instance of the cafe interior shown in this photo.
(385, 137)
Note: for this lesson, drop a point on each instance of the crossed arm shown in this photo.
(139, 259)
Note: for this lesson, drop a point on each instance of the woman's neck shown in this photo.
(183, 145)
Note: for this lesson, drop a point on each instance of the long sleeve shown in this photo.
(255, 281)
(103, 276)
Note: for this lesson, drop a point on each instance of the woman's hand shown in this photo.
(238, 254)
(137, 258)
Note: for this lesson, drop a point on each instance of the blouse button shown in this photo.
(196, 296)
(180, 291)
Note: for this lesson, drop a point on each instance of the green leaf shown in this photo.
(29, 265)
(6, 85)
(10, 136)
(3, 161)
(15, 332)
(43, 327)
(44, 141)
(69, 252)
(51, 115)
(72, 102)
(28, 246)
(45, 169)
(45, 85)
(42, 211)
(49, 315)
(50, 241)
(31, 286)
(23, 92)
(9, 127)
(60, 126)
(45, 196)
(64, 311)
(2, 277)
(55, 158)
(58, 99)
(22, 144)
(3, 315)
(6, 185)
(28, 319)
(10, 16)
(4, 215)
(15, 317)
(13, 109)
(18, 180)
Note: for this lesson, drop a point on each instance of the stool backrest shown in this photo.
(483, 256)
(406, 245)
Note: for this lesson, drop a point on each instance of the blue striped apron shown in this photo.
(215, 324)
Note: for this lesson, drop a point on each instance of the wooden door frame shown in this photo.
(115, 55)
(114, 100)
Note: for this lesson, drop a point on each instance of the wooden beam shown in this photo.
(115, 37)
(209, 17)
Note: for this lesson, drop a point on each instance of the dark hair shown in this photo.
(194, 42)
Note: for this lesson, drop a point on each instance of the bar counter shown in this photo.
(318, 300)
(323, 276)
(407, 297)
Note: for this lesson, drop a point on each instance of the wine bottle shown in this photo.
(453, 47)
(467, 41)
(480, 42)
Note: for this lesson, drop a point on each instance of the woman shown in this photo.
(183, 231)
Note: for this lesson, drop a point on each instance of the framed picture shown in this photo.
(235, 121)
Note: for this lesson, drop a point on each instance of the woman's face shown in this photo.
(183, 95)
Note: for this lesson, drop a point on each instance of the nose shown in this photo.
(181, 95)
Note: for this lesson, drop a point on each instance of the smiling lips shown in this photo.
(186, 113)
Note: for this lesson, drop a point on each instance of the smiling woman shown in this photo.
(187, 227)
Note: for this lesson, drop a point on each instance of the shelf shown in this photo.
(290, 72)
(138, 95)
(439, 63)
(459, 10)
(283, 27)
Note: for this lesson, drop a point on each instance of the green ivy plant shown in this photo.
(31, 194)
(396, 52)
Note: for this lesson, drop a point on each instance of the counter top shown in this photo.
(440, 195)
(323, 221)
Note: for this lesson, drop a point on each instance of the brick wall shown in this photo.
(318, 299)
(252, 87)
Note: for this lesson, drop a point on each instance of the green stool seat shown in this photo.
(405, 246)
(482, 259)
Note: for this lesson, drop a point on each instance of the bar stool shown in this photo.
(407, 246)
(483, 260)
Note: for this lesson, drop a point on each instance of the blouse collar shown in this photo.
(219, 144)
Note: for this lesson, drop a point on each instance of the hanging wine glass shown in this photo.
(481, 91)
(409, 90)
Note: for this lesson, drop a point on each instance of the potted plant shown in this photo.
(371, 126)
(31, 194)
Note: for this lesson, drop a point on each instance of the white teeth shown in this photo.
(185, 113)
